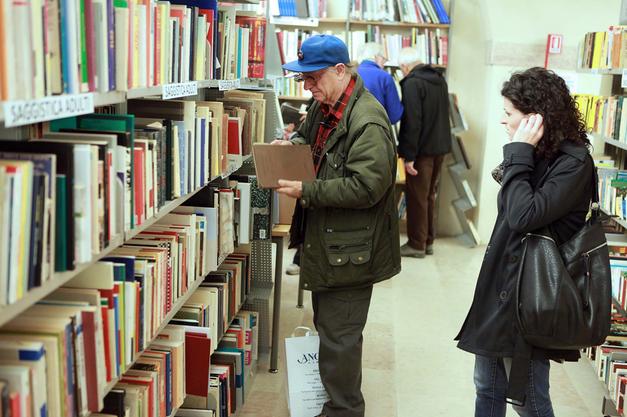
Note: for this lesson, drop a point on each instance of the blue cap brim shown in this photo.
(295, 66)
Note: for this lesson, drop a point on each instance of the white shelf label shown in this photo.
(623, 79)
(224, 85)
(24, 112)
(177, 90)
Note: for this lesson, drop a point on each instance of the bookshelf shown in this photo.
(433, 39)
(116, 102)
(603, 119)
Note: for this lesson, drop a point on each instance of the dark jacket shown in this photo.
(534, 193)
(425, 125)
(381, 86)
(351, 236)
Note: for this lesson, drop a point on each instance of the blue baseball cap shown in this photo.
(318, 52)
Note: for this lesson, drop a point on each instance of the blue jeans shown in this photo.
(491, 383)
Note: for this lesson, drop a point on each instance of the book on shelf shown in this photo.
(108, 45)
(406, 11)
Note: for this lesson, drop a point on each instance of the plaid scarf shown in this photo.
(332, 116)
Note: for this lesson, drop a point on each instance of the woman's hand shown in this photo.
(530, 130)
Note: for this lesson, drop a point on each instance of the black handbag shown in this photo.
(564, 293)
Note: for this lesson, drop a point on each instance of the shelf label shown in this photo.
(24, 112)
(224, 85)
(623, 79)
(177, 90)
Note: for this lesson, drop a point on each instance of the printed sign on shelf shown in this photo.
(224, 85)
(623, 79)
(24, 112)
(177, 90)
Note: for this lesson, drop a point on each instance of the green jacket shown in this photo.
(351, 235)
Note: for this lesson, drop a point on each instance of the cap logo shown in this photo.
(300, 55)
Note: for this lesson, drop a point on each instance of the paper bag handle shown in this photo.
(307, 330)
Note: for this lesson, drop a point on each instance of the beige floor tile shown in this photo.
(411, 365)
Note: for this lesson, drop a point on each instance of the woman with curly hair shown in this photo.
(546, 178)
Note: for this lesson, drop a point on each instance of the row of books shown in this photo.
(432, 45)
(288, 86)
(106, 45)
(219, 373)
(610, 363)
(610, 359)
(409, 11)
(612, 187)
(299, 8)
(605, 116)
(155, 385)
(604, 50)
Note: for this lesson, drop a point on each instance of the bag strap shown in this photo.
(595, 207)
(519, 373)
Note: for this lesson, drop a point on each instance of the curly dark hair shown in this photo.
(541, 91)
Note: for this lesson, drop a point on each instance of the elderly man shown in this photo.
(346, 219)
(379, 82)
(424, 139)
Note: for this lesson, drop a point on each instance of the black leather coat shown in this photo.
(535, 193)
(425, 125)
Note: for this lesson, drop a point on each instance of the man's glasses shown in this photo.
(312, 77)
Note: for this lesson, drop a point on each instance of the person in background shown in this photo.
(378, 81)
(546, 179)
(346, 219)
(424, 139)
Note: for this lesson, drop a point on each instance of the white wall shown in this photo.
(489, 40)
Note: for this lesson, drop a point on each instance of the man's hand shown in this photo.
(292, 189)
(280, 142)
(409, 168)
(529, 130)
(288, 131)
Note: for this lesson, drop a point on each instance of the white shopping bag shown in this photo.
(305, 390)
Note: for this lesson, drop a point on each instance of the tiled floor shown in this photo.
(411, 365)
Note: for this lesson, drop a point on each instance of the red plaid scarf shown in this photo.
(332, 116)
